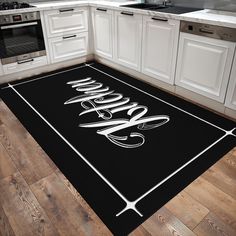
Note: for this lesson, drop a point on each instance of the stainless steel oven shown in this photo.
(21, 37)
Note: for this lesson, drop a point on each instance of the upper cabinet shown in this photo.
(231, 92)
(102, 20)
(128, 39)
(65, 20)
(159, 48)
(204, 65)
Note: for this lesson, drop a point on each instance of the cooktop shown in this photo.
(13, 5)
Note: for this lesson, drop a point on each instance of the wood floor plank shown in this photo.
(10, 121)
(220, 179)
(83, 203)
(25, 157)
(166, 224)
(140, 231)
(213, 226)
(60, 204)
(25, 215)
(6, 165)
(5, 227)
(187, 209)
(218, 202)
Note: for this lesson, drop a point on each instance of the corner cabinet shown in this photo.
(128, 39)
(67, 33)
(102, 21)
(204, 65)
(159, 49)
(230, 101)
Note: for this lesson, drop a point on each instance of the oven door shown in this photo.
(21, 41)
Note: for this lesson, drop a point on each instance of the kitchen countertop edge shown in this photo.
(203, 16)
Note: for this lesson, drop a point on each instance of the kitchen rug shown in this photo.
(127, 147)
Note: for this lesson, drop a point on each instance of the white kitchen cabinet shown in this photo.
(24, 65)
(102, 20)
(231, 92)
(204, 65)
(128, 39)
(68, 47)
(61, 21)
(66, 33)
(159, 48)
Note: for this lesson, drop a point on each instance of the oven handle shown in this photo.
(18, 25)
(25, 61)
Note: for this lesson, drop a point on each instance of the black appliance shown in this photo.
(13, 5)
(21, 37)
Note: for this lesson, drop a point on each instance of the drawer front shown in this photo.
(68, 47)
(59, 22)
(25, 65)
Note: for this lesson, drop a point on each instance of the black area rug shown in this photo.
(126, 146)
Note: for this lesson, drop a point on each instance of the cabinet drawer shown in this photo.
(26, 65)
(68, 46)
(65, 20)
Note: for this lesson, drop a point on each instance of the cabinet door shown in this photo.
(204, 64)
(128, 37)
(68, 47)
(231, 92)
(64, 20)
(103, 32)
(159, 49)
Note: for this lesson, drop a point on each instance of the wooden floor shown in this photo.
(36, 199)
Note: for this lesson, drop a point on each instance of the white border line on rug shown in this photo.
(130, 205)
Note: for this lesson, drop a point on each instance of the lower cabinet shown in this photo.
(128, 39)
(102, 20)
(159, 48)
(68, 46)
(204, 65)
(231, 92)
(25, 65)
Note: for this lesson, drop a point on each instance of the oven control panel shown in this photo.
(23, 17)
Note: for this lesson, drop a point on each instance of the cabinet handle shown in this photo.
(101, 9)
(66, 10)
(25, 61)
(127, 13)
(206, 31)
(68, 37)
(159, 18)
